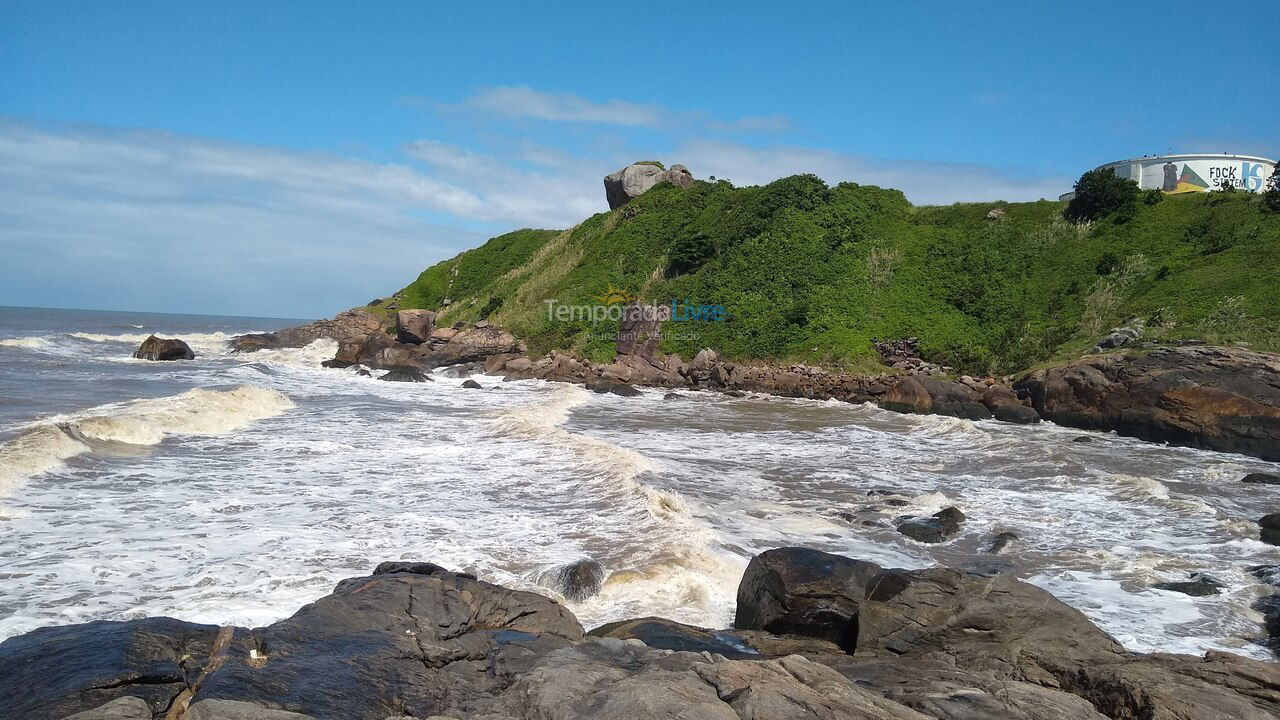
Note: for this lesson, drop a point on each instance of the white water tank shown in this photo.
(1202, 172)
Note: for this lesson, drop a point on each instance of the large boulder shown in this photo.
(415, 637)
(53, 672)
(471, 345)
(802, 591)
(576, 581)
(1225, 399)
(1005, 406)
(415, 326)
(157, 348)
(633, 180)
(936, 528)
(352, 326)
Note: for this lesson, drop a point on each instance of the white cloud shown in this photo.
(518, 102)
(562, 194)
(925, 183)
(515, 102)
(151, 220)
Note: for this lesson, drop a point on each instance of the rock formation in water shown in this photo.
(817, 636)
(157, 348)
(1216, 398)
(633, 180)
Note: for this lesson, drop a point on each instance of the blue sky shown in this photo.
(298, 158)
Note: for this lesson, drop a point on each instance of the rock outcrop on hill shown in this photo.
(1225, 399)
(157, 348)
(818, 635)
(633, 180)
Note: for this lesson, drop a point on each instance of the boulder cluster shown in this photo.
(904, 355)
(632, 181)
(815, 636)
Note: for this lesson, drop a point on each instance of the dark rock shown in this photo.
(576, 581)
(413, 375)
(604, 385)
(1006, 407)
(1001, 541)
(336, 364)
(668, 635)
(1269, 606)
(806, 592)
(673, 396)
(1262, 479)
(156, 348)
(415, 326)
(391, 567)
(53, 672)
(953, 399)
(1269, 574)
(464, 370)
(940, 527)
(908, 396)
(974, 617)
(363, 373)
(472, 385)
(415, 638)
(1082, 439)
(417, 641)
(1270, 528)
(1199, 586)
(1214, 398)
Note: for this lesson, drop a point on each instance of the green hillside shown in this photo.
(814, 273)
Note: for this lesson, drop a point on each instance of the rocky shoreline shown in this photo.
(1215, 398)
(816, 636)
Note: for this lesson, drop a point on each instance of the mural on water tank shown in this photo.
(1204, 175)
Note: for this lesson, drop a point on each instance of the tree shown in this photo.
(1271, 198)
(1100, 193)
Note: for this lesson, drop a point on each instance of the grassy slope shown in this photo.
(813, 273)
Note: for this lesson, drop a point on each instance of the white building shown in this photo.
(1203, 172)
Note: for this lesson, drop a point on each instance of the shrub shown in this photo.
(1100, 193)
(1271, 198)
(1107, 263)
(490, 307)
(691, 252)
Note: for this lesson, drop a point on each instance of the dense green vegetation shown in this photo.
(815, 273)
(1101, 192)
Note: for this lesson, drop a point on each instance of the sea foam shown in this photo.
(46, 444)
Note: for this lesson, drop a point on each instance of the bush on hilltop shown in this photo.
(1100, 193)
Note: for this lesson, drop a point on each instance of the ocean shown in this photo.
(237, 488)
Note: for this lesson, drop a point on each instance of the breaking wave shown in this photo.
(43, 447)
(29, 343)
(541, 421)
